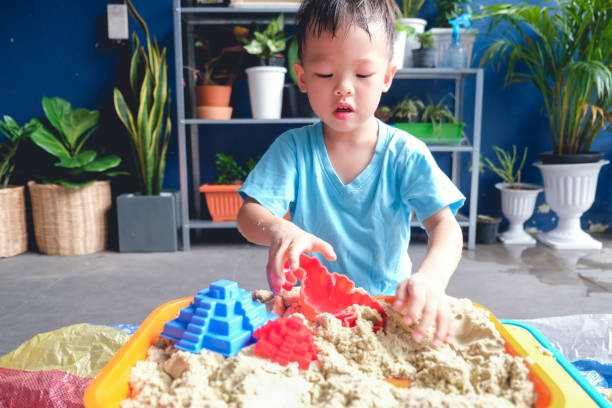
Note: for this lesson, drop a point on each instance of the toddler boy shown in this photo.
(350, 181)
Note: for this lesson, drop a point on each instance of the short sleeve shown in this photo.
(426, 188)
(272, 181)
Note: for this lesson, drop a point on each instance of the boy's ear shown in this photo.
(299, 74)
(389, 73)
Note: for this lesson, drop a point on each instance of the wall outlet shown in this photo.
(117, 21)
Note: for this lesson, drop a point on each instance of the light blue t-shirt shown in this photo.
(366, 221)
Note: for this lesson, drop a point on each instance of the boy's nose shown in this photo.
(343, 89)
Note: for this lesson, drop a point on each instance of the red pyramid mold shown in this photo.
(324, 292)
(286, 340)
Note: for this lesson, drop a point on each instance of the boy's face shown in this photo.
(344, 76)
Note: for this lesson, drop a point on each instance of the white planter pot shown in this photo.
(442, 39)
(570, 191)
(399, 44)
(266, 91)
(411, 41)
(517, 207)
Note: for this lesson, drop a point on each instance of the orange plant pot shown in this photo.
(213, 95)
(214, 112)
(223, 201)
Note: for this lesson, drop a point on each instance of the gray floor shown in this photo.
(39, 293)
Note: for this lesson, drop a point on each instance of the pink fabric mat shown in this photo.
(41, 389)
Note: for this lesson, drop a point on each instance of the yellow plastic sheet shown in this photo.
(81, 349)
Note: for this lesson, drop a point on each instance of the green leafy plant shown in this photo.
(411, 8)
(267, 43)
(384, 113)
(449, 9)
(13, 136)
(65, 139)
(426, 39)
(506, 168)
(213, 71)
(566, 53)
(437, 113)
(229, 170)
(402, 27)
(148, 122)
(408, 109)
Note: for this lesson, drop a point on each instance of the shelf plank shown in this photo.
(435, 73)
(208, 224)
(248, 121)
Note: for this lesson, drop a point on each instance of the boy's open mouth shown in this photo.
(343, 111)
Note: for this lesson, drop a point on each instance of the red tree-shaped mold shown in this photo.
(286, 340)
(324, 292)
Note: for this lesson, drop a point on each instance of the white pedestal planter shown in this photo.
(266, 91)
(570, 191)
(411, 41)
(517, 206)
(442, 39)
(399, 45)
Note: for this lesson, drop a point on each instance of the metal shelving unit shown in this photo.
(193, 16)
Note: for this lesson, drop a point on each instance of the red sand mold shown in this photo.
(324, 292)
(286, 340)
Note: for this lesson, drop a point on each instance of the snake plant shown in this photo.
(148, 122)
(566, 52)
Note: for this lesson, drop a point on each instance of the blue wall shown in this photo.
(58, 48)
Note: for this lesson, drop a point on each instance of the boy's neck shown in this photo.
(366, 134)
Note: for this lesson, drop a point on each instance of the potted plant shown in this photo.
(399, 43)
(214, 81)
(13, 228)
(486, 229)
(517, 199)
(442, 32)
(70, 204)
(432, 123)
(410, 11)
(296, 104)
(222, 198)
(424, 57)
(147, 220)
(565, 52)
(266, 81)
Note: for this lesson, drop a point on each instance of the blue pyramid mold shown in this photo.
(221, 318)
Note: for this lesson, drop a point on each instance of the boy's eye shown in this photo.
(364, 75)
(324, 75)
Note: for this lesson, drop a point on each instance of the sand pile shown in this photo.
(352, 364)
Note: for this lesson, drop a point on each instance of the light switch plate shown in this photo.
(117, 21)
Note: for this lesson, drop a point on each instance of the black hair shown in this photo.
(318, 16)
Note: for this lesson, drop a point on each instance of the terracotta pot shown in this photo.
(213, 95)
(223, 201)
(214, 112)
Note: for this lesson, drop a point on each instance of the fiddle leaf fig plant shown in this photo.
(65, 139)
(13, 136)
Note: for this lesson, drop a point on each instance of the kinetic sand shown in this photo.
(475, 371)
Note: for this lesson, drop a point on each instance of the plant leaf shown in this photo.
(103, 163)
(49, 142)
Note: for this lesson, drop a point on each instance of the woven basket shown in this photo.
(70, 221)
(13, 229)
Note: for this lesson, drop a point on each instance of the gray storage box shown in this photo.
(148, 223)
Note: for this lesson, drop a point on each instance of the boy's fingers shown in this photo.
(400, 296)
(442, 328)
(429, 316)
(275, 264)
(293, 255)
(324, 248)
(416, 304)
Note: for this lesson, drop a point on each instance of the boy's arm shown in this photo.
(423, 294)
(285, 239)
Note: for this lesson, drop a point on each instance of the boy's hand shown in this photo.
(288, 242)
(424, 301)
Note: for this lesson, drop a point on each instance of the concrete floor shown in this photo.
(39, 293)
